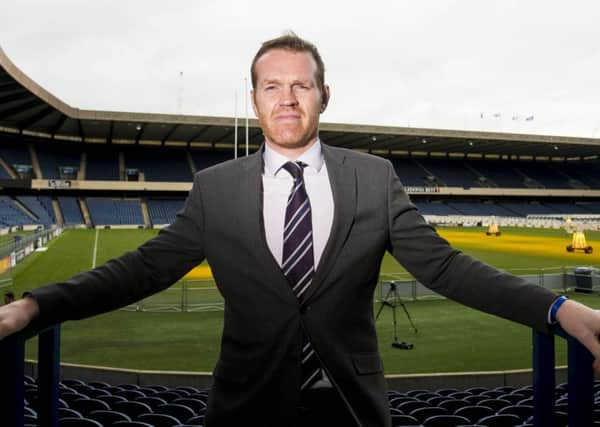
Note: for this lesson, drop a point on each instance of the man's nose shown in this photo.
(288, 97)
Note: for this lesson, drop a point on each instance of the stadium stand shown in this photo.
(14, 152)
(503, 405)
(159, 164)
(70, 210)
(163, 211)
(41, 208)
(106, 211)
(59, 161)
(205, 158)
(11, 214)
(102, 163)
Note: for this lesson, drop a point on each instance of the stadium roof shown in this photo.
(28, 109)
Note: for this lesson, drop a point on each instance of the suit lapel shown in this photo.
(251, 190)
(342, 177)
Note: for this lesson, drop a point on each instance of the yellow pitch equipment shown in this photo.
(579, 244)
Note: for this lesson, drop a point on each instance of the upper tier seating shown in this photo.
(159, 163)
(102, 163)
(53, 156)
(204, 158)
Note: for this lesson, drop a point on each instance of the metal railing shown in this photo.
(580, 380)
(12, 386)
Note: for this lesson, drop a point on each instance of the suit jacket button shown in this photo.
(304, 309)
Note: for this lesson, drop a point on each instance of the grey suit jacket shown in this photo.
(256, 380)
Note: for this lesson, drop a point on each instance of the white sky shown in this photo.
(428, 63)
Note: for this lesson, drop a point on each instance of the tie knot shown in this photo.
(296, 169)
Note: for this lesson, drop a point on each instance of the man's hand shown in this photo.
(582, 323)
(16, 315)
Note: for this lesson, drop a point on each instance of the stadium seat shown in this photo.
(521, 411)
(195, 405)
(181, 412)
(85, 406)
(474, 413)
(130, 394)
(107, 418)
(69, 413)
(131, 424)
(435, 401)
(404, 420)
(78, 422)
(453, 405)
(30, 418)
(445, 421)
(197, 420)
(422, 414)
(495, 404)
(132, 409)
(409, 406)
(503, 420)
(168, 396)
(151, 401)
(159, 420)
(513, 398)
(111, 400)
(446, 391)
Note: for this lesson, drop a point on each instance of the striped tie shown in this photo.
(298, 260)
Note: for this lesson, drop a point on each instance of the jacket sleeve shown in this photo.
(451, 273)
(150, 268)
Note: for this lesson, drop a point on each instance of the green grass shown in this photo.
(450, 338)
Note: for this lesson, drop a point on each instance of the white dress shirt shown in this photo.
(277, 185)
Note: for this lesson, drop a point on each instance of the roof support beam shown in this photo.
(16, 96)
(199, 134)
(59, 124)
(19, 108)
(45, 112)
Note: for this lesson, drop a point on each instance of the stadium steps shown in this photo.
(145, 212)
(122, 165)
(190, 161)
(85, 212)
(25, 209)
(57, 212)
(82, 173)
(35, 161)
(8, 168)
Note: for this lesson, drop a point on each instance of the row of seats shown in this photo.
(158, 405)
(177, 164)
(63, 161)
(163, 210)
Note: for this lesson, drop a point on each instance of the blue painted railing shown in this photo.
(580, 380)
(12, 370)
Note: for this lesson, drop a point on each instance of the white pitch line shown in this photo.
(95, 250)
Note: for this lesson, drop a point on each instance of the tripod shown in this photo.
(392, 299)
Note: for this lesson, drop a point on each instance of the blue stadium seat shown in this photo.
(108, 417)
(181, 412)
(159, 420)
(503, 420)
(78, 422)
(445, 421)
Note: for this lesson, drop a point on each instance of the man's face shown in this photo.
(287, 100)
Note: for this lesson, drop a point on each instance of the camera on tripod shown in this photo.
(392, 299)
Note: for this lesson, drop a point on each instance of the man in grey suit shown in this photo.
(307, 225)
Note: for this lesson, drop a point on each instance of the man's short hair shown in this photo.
(290, 41)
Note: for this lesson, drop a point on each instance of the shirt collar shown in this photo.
(274, 161)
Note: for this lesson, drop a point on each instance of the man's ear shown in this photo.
(325, 98)
(253, 102)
